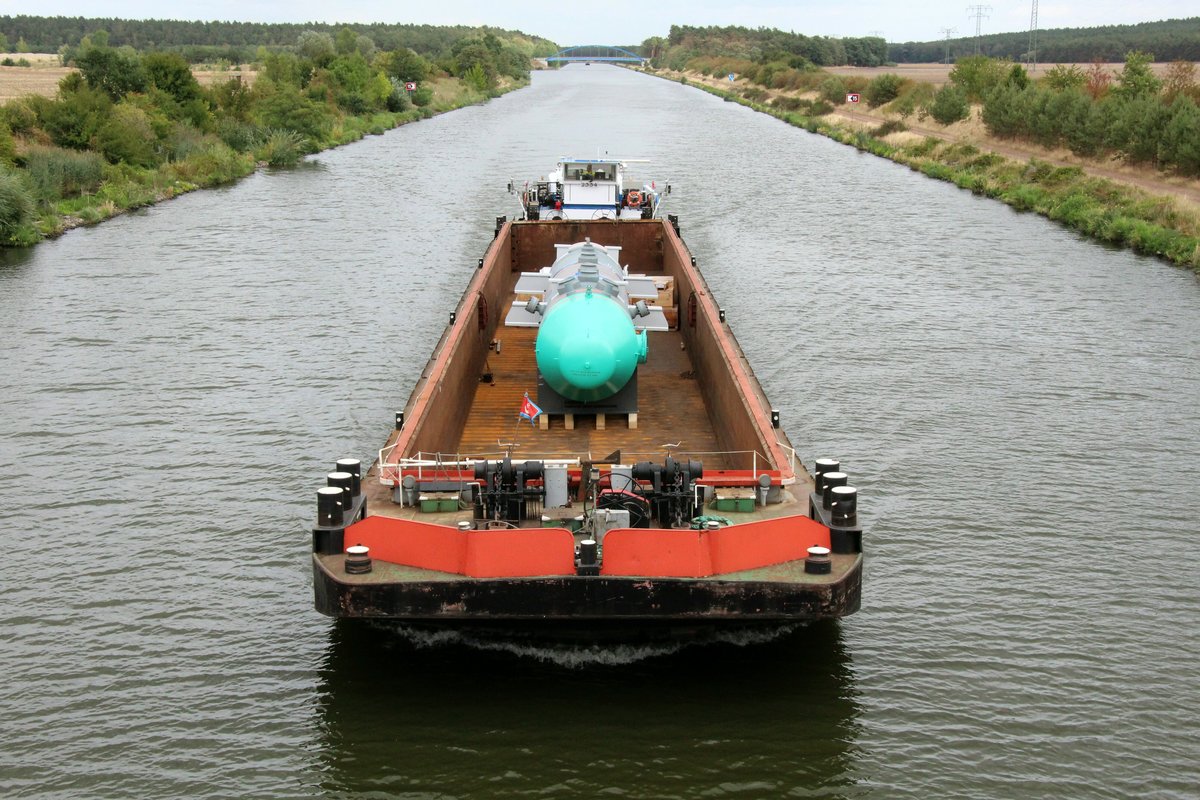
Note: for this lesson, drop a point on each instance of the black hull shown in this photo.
(589, 607)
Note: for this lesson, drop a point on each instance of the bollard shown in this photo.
(824, 465)
(832, 479)
(358, 560)
(845, 505)
(354, 467)
(818, 562)
(329, 506)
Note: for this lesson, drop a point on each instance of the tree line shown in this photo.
(1169, 40)
(761, 46)
(238, 42)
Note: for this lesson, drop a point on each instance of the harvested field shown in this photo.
(20, 81)
(939, 74)
(43, 77)
(40, 78)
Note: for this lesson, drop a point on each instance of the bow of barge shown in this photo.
(515, 494)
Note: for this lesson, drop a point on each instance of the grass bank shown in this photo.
(1100, 208)
(106, 190)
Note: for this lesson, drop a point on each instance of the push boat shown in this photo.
(587, 453)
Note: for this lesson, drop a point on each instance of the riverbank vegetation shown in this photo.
(130, 128)
(1106, 210)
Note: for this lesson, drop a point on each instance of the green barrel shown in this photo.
(587, 348)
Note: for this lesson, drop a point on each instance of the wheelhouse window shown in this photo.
(590, 171)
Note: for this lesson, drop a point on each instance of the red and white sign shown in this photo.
(852, 97)
(412, 87)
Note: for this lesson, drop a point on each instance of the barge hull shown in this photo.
(445, 557)
(580, 600)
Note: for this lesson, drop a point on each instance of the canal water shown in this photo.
(1017, 406)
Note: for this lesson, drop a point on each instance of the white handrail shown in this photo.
(393, 471)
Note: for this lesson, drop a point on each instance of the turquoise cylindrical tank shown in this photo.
(587, 348)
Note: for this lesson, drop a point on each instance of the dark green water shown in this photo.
(1017, 406)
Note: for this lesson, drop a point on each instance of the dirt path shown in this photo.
(973, 132)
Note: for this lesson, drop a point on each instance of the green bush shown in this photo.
(281, 148)
(1025, 198)
(821, 108)
(241, 136)
(786, 103)
(58, 173)
(1061, 77)
(185, 140)
(20, 118)
(398, 99)
(949, 105)
(127, 136)
(883, 89)
(891, 126)
(833, 90)
(7, 145)
(912, 100)
(1179, 146)
(978, 75)
(112, 71)
(1017, 76)
(73, 120)
(287, 109)
(211, 162)
(1137, 79)
(855, 83)
(16, 205)
(423, 96)
(173, 75)
(1136, 126)
(1003, 113)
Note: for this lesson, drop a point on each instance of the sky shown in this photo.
(569, 22)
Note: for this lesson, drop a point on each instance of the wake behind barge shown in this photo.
(588, 453)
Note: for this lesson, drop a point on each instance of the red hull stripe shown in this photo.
(699, 554)
(530, 552)
(479, 554)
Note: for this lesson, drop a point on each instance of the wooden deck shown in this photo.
(671, 410)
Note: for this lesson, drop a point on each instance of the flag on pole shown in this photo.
(529, 409)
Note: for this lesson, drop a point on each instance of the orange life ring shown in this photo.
(633, 199)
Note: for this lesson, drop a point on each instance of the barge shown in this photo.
(587, 453)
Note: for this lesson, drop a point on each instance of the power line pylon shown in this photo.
(980, 13)
(947, 33)
(1033, 28)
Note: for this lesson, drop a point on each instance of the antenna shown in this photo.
(947, 33)
(1033, 26)
(980, 13)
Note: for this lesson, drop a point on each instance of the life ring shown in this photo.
(633, 199)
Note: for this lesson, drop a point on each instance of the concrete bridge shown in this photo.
(596, 52)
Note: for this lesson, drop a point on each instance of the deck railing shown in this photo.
(391, 472)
